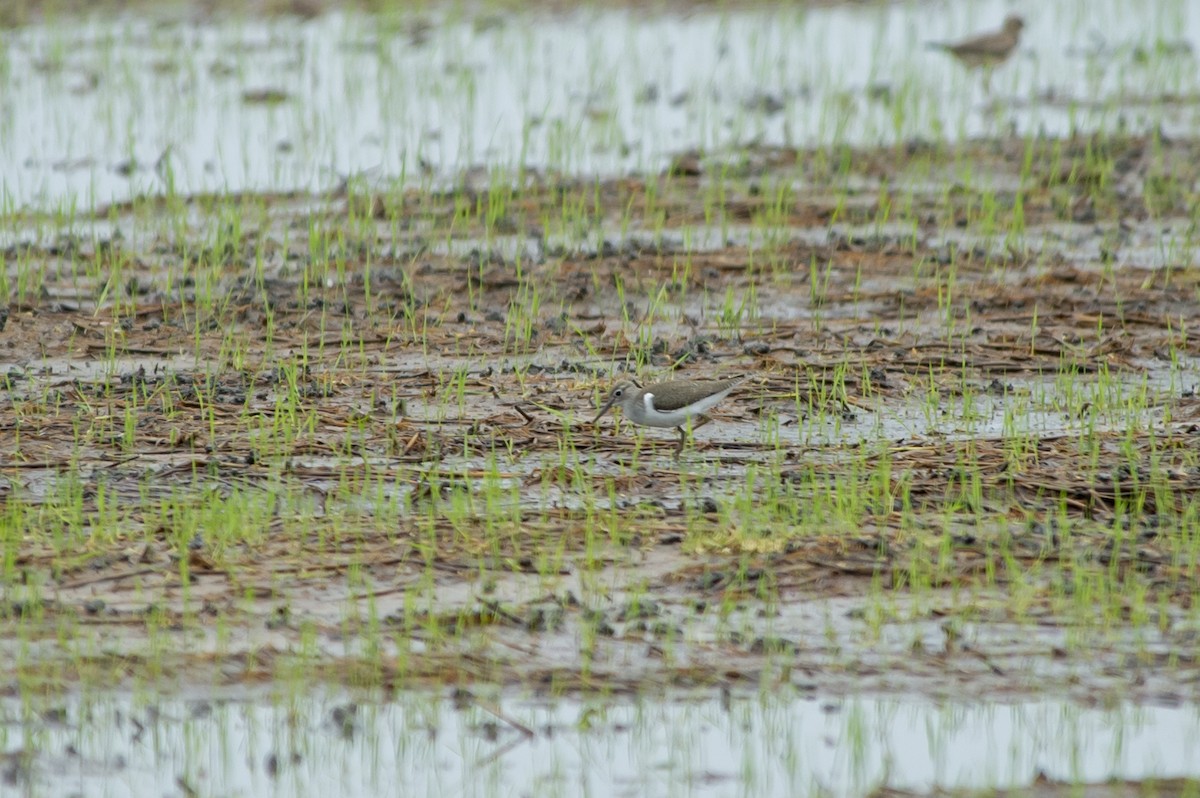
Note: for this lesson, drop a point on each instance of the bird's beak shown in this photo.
(611, 401)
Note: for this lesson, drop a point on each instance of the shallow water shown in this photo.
(114, 745)
(106, 109)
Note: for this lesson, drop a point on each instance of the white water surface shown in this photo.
(99, 109)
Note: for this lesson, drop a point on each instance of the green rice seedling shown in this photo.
(819, 278)
(734, 312)
(522, 318)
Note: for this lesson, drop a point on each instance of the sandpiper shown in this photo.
(668, 404)
(987, 50)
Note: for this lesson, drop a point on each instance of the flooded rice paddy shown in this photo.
(465, 745)
(104, 108)
(306, 318)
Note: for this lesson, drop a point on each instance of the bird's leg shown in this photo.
(689, 426)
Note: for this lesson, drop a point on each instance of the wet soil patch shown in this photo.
(348, 436)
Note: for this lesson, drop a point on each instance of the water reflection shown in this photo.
(113, 107)
(421, 745)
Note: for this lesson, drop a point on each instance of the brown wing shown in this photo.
(996, 45)
(672, 396)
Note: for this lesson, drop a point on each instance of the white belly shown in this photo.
(652, 417)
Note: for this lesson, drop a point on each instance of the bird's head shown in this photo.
(620, 393)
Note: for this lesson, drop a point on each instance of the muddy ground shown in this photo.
(202, 547)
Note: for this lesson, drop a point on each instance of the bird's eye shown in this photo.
(618, 392)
